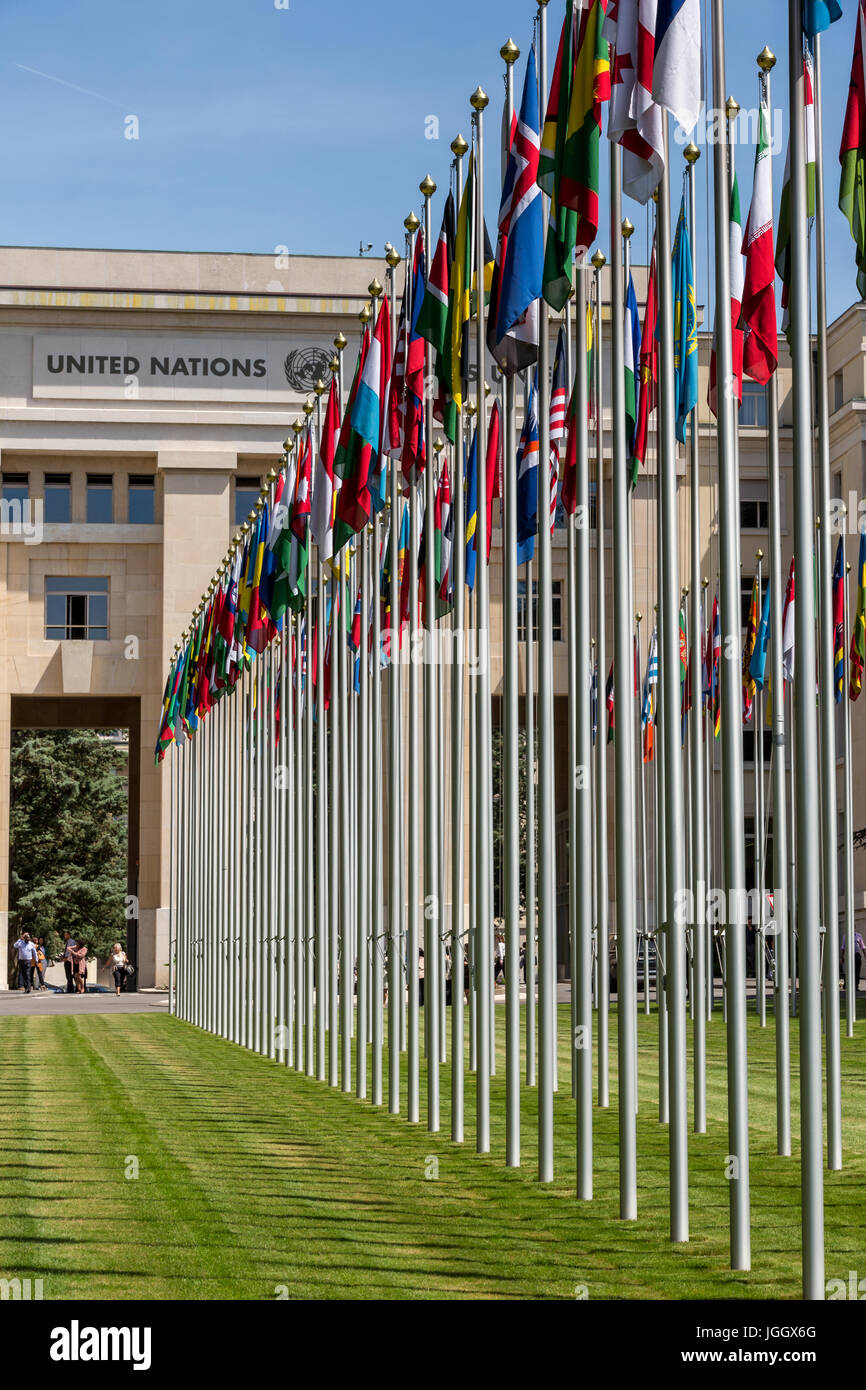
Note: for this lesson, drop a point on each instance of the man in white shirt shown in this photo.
(26, 961)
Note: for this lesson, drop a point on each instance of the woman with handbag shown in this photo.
(118, 960)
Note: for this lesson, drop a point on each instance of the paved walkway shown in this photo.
(93, 1002)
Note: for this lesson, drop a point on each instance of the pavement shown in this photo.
(95, 1001)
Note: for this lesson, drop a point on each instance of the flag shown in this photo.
(788, 636)
(494, 468)
(783, 235)
(758, 663)
(858, 629)
(852, 153)
(559, 391)
(554, 480)
(444, 531)
(818, 15)
(685, 326)
(365, 415)
(677, 61)
(760, 346)
(512, 325)
(299, 526)
(593, 691)
(568, 164)
(609, 697)
(839, 622)
(634, 120)
(352, 458)
(406, 398)
(527, 481)
(455, 357)
(322, 511)
(432, 323)
(471, 510)
(632, 373)
(648, 371)
(748, 651)
(736, 255)
(647, 713)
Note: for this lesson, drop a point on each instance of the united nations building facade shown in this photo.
(143, 399)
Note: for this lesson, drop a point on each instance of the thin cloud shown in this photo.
(72, 85)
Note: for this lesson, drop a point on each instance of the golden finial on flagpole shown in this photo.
(298, 426)
(759, 555)
(427, 186)
(272, 475)
(732, 108)
(766, 59)
(509, 52)
(599, 259)
(479, 99)
(374, 289)
(459, 146)
(319, 387)
(392, 256)
(340, 342)
(627, 229)
(411, 223)
(691, 153)
(309, 406)
(365, 314)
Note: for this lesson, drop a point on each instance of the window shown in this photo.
(142, 494)
(838, 391)
(754, 505)
(76, 610)
(100, 497)
(593, 507)
(753, 410)
(246, 495)
(16, 487)
(58, 495)
(749, 741)
(521, 610)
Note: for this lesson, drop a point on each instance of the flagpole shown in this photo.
(483, 942)
(643, 842)
(826, 703)
(530, 867)
(601, 842)
(760, 946)
(732, 746)
(321, 793)
(510, 719)
(850, 932)
(669, 665)
(780, 810)
(624, 772)
(459, 148)
(805, 723)
(699, 872)
(395, 802)
(432, 900)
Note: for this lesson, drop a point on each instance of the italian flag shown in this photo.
(760, 347)
(852, 154)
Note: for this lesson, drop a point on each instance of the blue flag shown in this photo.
(758, 662)
(685, 327)
(818, 15)
(471, 510)
(513, 323)
(527, 481)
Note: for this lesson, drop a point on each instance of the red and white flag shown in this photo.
(635, 120)
(322, 511)
(760, 344)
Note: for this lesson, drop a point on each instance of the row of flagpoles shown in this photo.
(317, 846)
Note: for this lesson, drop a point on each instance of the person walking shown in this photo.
(26, 961)
(69, 945)
(859, 951)
(118, 960)
(41, 962)
(79, 967)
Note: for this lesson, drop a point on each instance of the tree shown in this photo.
(68, 837)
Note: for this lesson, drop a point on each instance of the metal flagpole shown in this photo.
(510, 721)
(669, 665)
(395, 803)
(376, 945)
(309, 816)
(322, 918)
(732, 744)
(601, 850)
(780, 810)
(850, 933)
(760, 942)
(172, 871)
(531, 789)
(459, 147)
(826, 702)
(805, 722)
(696, 756)
(579, 759)
(643, 841)
(624, 771)
(432, 899)
(484, 923)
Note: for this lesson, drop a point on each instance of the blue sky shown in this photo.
(303, 126)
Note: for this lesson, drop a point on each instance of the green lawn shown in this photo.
(252, 1177)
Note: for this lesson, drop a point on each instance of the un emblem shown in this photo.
(304, 366)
